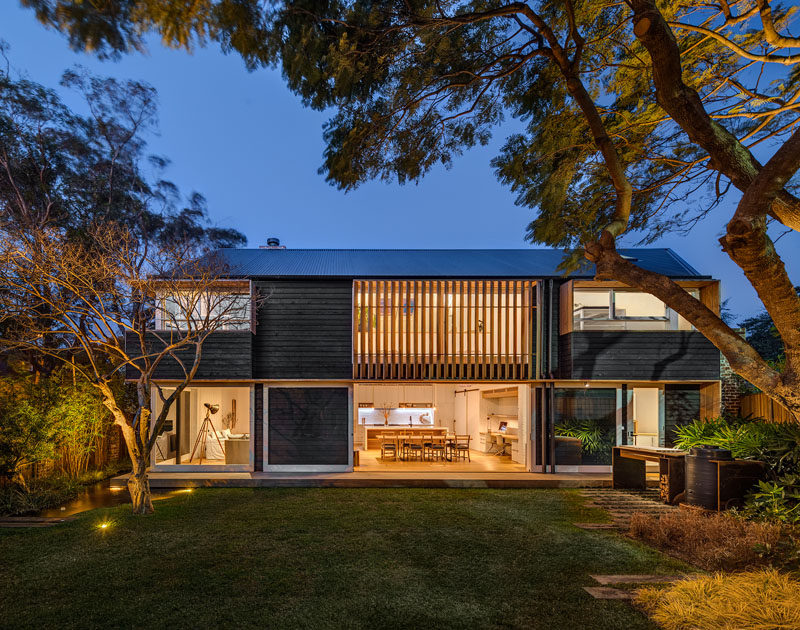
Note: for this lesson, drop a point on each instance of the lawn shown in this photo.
(324, 558)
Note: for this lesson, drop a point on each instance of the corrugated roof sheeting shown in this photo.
(431, 263)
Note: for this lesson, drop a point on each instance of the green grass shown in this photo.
(324, 558)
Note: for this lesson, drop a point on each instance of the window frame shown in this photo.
(669, 316)
(162, 324)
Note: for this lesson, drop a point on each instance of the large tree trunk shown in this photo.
(139, 487)
(138, 482)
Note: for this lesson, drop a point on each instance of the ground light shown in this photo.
(104, 525)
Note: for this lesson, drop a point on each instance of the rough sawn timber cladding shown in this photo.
(645, 355)
(225, 356)
(303, 330)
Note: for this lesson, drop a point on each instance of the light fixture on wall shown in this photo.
(586, 383)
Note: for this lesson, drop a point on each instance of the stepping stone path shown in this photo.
(33, 521)
(609, 592)
(620, 504)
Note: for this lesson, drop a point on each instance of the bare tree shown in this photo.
(123, 306)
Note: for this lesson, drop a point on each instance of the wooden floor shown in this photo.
(370, 461)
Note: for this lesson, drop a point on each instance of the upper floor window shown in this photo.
(618, 309)
(220, 310)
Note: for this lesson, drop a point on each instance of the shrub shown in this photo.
(756, 600)
(38, 494)
(776, 444)
(595, 436)
(777, 501)
(28, 430)
(83, 421)
(716, 541)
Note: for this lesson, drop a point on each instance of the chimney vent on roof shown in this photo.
(273, 243)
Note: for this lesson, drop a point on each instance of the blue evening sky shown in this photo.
(245, 142)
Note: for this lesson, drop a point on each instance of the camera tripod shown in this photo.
(202, 437)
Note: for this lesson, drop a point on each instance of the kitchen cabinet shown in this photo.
(387, 396)
(366, 394)
(418, 394)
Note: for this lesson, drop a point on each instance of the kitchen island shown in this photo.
(373, 433)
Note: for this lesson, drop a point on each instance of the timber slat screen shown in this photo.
(443, 329)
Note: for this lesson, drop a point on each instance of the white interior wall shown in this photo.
(445, 401)
(222, 396)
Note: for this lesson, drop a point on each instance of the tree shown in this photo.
(66, 171)
(61, 169)
(638, 117)
(761, 333)
(99, 299)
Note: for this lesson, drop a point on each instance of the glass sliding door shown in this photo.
(206, 426)
(585, 425)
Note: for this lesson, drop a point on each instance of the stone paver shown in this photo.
(607, 592)
(621, 504)
(635, 579)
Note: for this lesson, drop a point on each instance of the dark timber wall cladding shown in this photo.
(258, 427)
(225, 355)
(308, 426)
(650, 355)
(304, 330)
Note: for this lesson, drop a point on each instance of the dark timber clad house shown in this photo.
(546, 372)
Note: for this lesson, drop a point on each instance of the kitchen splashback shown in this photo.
(397, 416)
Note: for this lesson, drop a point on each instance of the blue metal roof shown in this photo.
(431, 263)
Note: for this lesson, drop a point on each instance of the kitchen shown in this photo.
(497, 419)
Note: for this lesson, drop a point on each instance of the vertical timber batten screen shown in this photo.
(443, 329)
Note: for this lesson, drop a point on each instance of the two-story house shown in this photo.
(536, 371)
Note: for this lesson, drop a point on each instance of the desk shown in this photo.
(628, 469)
(504, 440)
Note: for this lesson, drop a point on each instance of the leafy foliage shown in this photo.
(28, 429)
(776, 501)
(53, 419)
(64, 170)
(595, 436)
(776, 444)
(761, 333)
(413, 84)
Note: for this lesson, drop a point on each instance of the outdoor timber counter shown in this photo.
(629, 463)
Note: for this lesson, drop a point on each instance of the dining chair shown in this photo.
(388, 445)
(461, 447)
(414, 446)
(435, 446)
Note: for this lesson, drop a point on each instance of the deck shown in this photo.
(358, 479)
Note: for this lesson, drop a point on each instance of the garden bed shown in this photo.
(49, 492)
(718, 541)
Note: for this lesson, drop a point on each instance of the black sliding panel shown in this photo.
(308, 426)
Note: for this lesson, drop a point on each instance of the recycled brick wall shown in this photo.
(733, 387)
